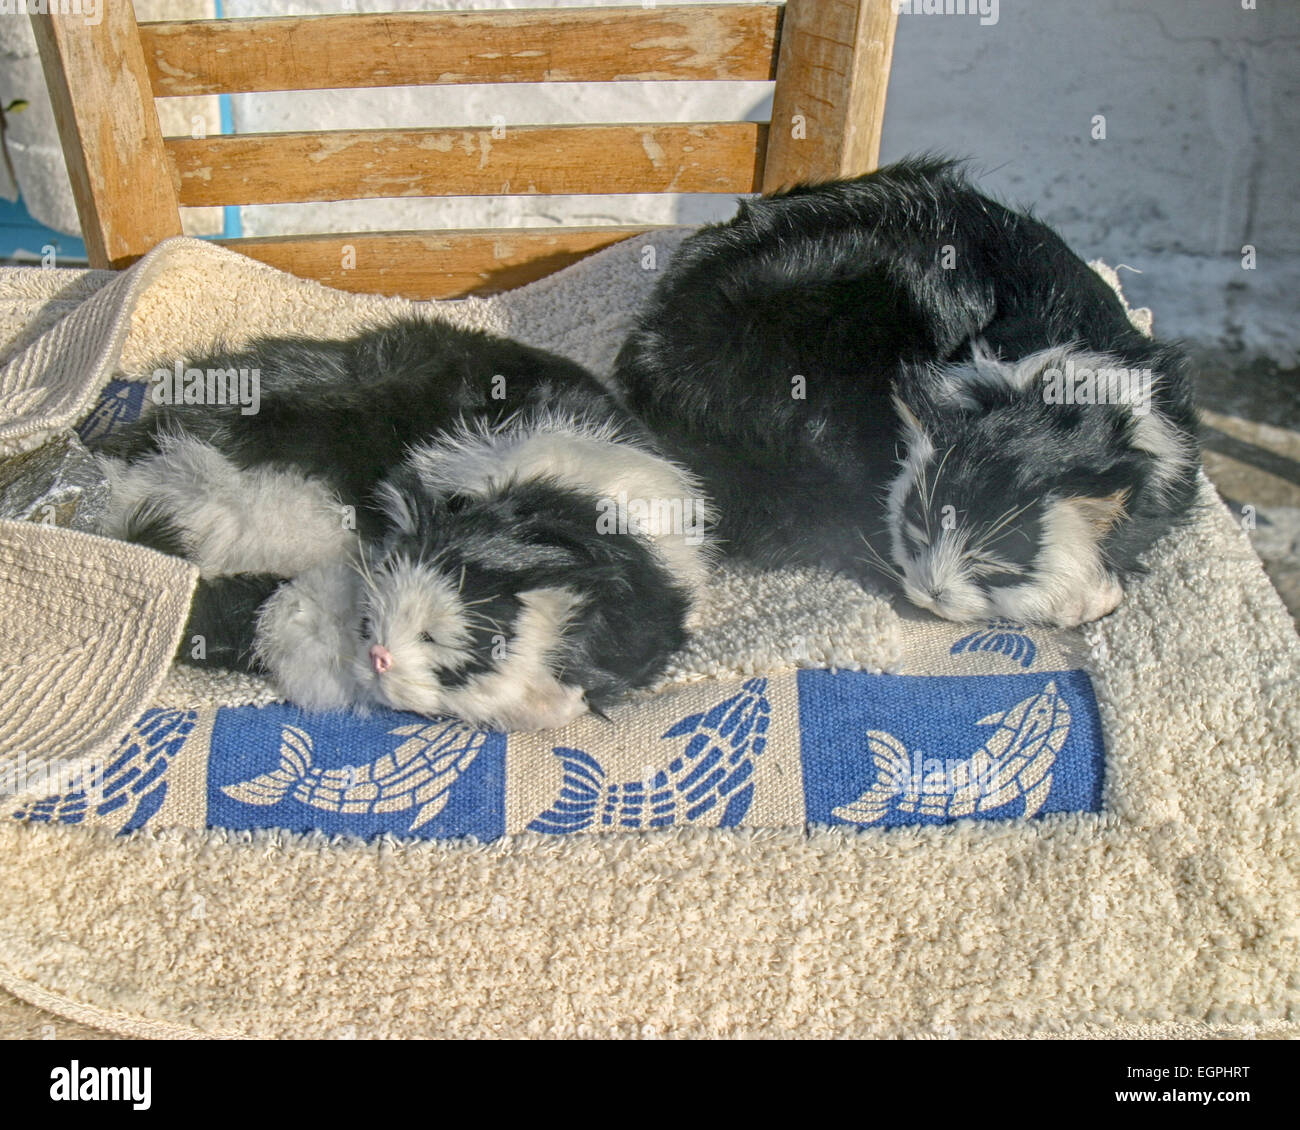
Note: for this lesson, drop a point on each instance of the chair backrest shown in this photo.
(829, 58)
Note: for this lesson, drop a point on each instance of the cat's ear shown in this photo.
(1017, 376)
(912, 427)
(1101, 512)
(393, 502)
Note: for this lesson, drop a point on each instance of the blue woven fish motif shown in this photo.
(134, 778)
(1015, 762)
(710, 782)
(418, 774)
(1003, 636)
(119, 404)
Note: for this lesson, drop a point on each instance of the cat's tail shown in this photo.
(151, 526)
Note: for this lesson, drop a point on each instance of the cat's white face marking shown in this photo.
(939, 578)
(1053, 569)
(964, 572)
(316, 635)
(415, 615)
(1067, 584)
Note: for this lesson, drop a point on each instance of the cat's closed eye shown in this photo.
(364, 628)
(424, 637)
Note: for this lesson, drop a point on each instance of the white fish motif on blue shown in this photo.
(1016, 761)
(134, 778)
(418, 774)
(710, 782)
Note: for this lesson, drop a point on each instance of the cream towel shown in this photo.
(1173, 911)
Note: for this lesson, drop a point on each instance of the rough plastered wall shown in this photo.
(1158, 133)
(1199, 158)
(31, 140)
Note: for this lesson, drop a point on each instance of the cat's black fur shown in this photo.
(346, 411)
(851, 292)
(350, 414)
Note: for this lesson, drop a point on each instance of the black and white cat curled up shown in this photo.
(894, 376)
(420, 517)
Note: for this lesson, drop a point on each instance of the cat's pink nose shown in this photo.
(381, 659)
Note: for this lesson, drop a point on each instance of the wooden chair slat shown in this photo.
(830, 60)
(832, 74)
(109, 129)
(433, 264)
(711, 41)
(526, 161)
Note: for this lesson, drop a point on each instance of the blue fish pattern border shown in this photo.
(885, 751)
(1004, 637)
(387, 773)
(872, 751)
(119, 403)
(131, 784)
(709, 781)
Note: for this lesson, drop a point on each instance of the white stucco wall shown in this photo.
(1198, 160)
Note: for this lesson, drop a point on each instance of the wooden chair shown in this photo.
(829, 58)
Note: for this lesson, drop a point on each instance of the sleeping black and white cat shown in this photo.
(895, 375)
(421, 517)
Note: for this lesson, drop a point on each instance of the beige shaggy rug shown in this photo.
(1152, 890)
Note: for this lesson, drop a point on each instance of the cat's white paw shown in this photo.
(1092, 605)
(306, 639)
(258, 520)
